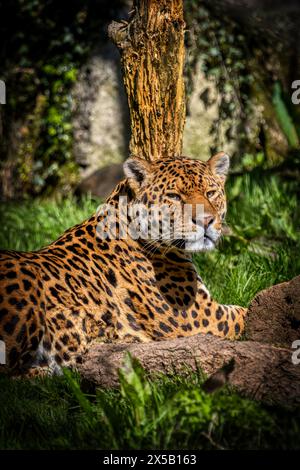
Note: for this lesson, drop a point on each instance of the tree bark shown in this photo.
(151, 45)
(261, 371)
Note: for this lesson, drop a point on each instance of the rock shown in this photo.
(203, 111)
(101, 118)
(274, 314)
(102, 181)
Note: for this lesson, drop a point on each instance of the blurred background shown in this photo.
(65, 124)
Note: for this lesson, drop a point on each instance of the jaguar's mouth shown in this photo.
(205, 243)
(208, 243)
(208, 238)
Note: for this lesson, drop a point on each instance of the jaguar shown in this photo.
(94, 284)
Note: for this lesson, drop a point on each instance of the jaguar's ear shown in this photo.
(136, 170)
(219, 165)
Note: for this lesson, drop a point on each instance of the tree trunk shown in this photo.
(151, 45)
(262, 372)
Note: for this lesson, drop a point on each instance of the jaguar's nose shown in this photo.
(208, 220)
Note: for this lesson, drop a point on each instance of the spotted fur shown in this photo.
(55, 301)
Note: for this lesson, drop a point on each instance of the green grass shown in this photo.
(170, 412)
(33, 224)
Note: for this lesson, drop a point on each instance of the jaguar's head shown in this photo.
(179, 201)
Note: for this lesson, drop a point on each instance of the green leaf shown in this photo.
(284, 118)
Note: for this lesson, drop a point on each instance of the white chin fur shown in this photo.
(205, 244)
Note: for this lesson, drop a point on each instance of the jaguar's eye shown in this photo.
(210, 194)
(174, 196)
